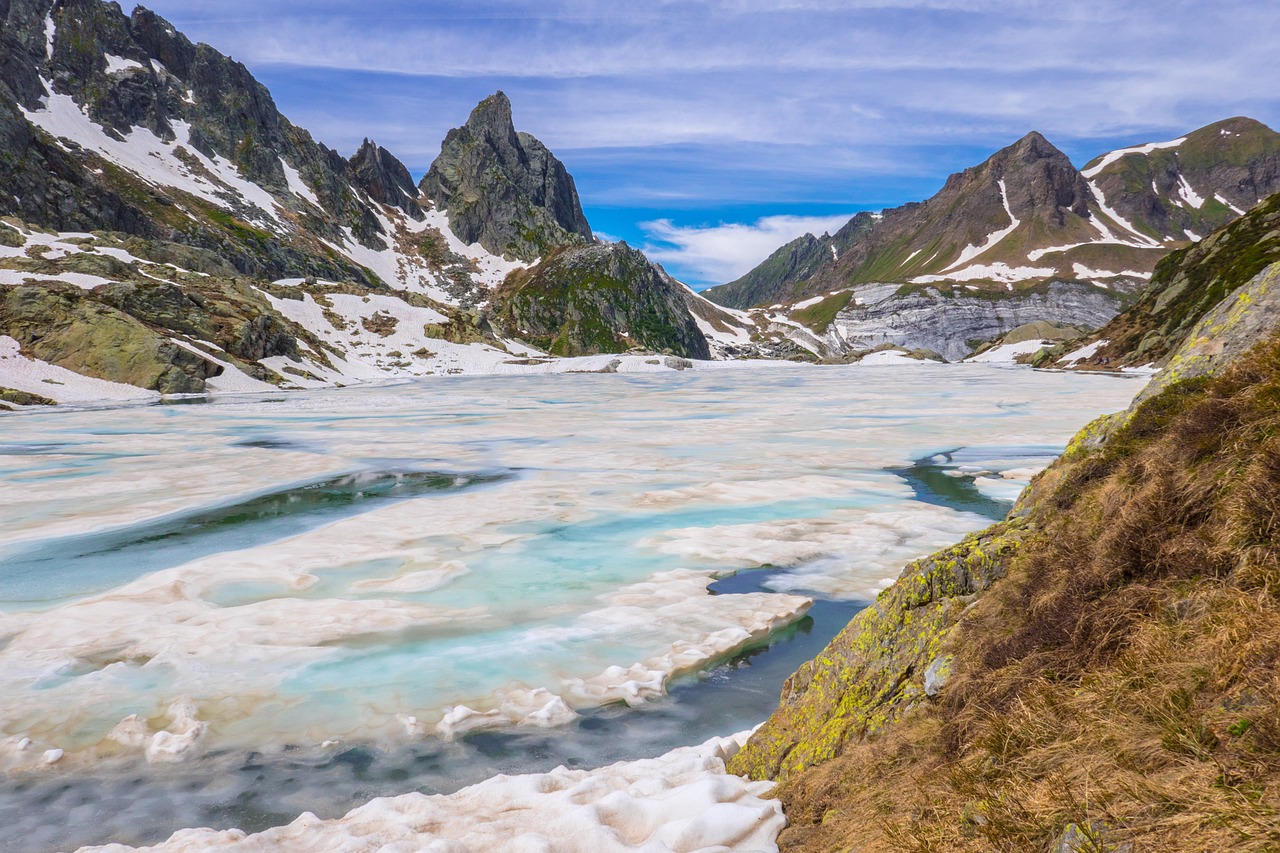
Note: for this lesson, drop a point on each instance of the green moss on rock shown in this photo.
(874, 669)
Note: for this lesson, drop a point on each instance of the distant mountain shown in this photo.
(1187, 187)
(168, 228)
(1027, 215)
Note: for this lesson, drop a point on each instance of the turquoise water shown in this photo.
(309, 572)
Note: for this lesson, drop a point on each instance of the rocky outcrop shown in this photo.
(60, 325)
(503, 189)
(1189, 283)
(598, 299)
(137, 74)
(385, 179)
(876, 668)
(952, 322)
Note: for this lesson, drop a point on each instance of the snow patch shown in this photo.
(971, 252)
(1189, 195)
(297, 185)
(999, 271)
(1088, 274)
(1082, 354)
(807, 303)
(1222, 200)
(1008, 353)
(79, 279)
(118, 64)
(1112, 156)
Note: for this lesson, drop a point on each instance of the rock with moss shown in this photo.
(24, 398)
(1188, 284)
(876, 668)
(598, 299)
(58, 324)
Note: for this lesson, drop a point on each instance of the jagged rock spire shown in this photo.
(503, 189)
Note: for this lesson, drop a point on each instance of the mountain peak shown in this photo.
(502, 189)
(495, 109)
(384, 178)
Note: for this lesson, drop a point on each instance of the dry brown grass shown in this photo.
(1125, 674)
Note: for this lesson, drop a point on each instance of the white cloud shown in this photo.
(720, 253)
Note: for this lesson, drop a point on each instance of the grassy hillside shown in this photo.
(1117, 683)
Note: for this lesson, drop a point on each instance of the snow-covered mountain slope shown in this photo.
(155, 181)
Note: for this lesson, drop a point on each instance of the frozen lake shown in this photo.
(229, 612)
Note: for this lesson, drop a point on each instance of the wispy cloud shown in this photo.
(719, 253)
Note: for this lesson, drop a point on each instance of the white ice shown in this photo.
(680, 802)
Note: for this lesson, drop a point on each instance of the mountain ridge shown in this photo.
(145, 178)
(1027, 214)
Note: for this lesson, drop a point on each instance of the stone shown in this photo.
(936, 675)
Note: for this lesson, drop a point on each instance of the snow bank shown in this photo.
(1008, 353)
(57, 383)
(680, 802)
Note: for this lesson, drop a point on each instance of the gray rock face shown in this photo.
(952, 325)
(595, 299)
(385, 178)
(504, 189)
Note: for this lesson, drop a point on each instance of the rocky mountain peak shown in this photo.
(503, 189)
(492, 117)
(385, 178)
(1040, 178)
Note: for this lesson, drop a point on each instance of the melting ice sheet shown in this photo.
(381, 567)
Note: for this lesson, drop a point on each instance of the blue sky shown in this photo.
(709, 132)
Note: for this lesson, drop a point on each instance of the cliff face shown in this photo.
(951, 321)
(1098, 670)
